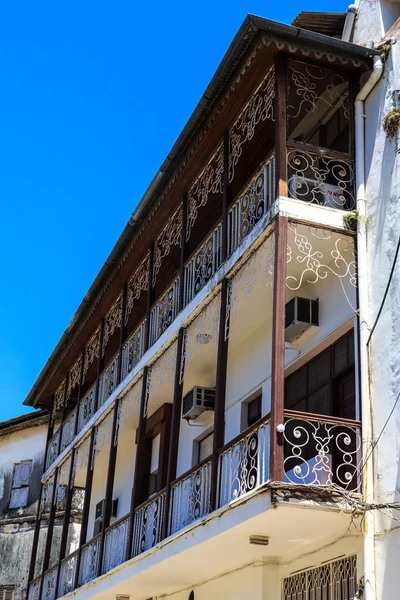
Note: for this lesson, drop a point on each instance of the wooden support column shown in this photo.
(67, 516)
(86, 505)
(122, 333)
(138, 475)
(100, 365)
(175, 426)
(278, 350)
(50, 529)
(281, 186)
(112, 459)
(226, 199)
(150, 299)
(183, 253)
(220, 393)
(36, 532)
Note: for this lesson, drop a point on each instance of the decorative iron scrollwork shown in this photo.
(169, 236)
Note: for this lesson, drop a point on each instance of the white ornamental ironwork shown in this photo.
(315, 265)
(116, 545)
(89, 561)
(68, 429)
(92, 351)
(112, 321)
(169, 236)
(74, 376)
(102, 436)
(59, 398)
(108, 380)
(49, 585)
(191, 498)
(133, 350)
(259, 108)
(148, 525)
(137, 284)
(86, 407)
(321, 453)
(244, 466)
(67, 575)
(164, 312)
(210, 181)
(203, 265)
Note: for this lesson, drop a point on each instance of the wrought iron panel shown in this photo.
(67, 575)
(116, 545)
(251, 205)
(34, 590)
(148, 525)
(108, 380)
(244, 466)
(321, 453)
(49, 585)
(89, 561)
(190, 498)
(334, 580)
(86, 408)
(203, 265)
(68, 429)
(164, 312)
(320, 179)
(137, 284)
(169, 237)
(133, 349)
(52, 449)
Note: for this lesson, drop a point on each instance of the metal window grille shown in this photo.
(20, 485)
(6, 593)
(336, 580)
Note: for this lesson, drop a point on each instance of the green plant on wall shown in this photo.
(350, 220)
(391, 122)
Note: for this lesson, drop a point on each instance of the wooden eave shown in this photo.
(250, 54)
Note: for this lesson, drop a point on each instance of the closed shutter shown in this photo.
(7, 593)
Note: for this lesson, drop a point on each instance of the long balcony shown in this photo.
(318, 451)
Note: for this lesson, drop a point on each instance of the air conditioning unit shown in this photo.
(197, 401)
(99, 514)
(300, 314)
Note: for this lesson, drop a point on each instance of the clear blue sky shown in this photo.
(93, 95)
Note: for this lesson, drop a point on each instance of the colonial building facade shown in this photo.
(207, 402)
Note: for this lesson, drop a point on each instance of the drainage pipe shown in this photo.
(349, 22)
(366, 411)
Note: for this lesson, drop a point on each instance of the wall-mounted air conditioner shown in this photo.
(197, 401)
(301, 313)
(99, 514)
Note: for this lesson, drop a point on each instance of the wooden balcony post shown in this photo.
(36, 532)
(138, 475)
(220, 393)
(175, 426)
(67, 516)
(86, 505)
(112, 459)
(226, 198)
(183, 254)
(122, 333)
(278, 350)
(50, 529)
(100, 365)
(281, 185)
(149, 300)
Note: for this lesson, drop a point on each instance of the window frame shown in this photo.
(20, 487)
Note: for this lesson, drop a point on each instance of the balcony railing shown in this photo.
(86, 408)
(133, 349)
(89, 565)
(251, 205)
(244, 463)
(322, 450)
(116, 544)
(203, 265)
(108, 380)
(320, 177)
(149, 524)
(52, 449)
(49, 584)
(67, 575)
(190, 497)
(68, 429)
(34, 589)
(164, 312)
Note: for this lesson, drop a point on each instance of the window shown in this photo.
(7, 592)
(20, 484)
(253, 411)
(205, 447)
(325, 385)
(335, 580)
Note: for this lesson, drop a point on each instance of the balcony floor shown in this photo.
(219, 544)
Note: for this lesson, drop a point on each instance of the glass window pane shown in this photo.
(206, 447)
(340, 356)
(296, 388)
(319, 370)
(318, 402)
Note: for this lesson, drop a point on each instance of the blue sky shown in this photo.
(93, 96)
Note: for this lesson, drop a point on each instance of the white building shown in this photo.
(210, 397)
